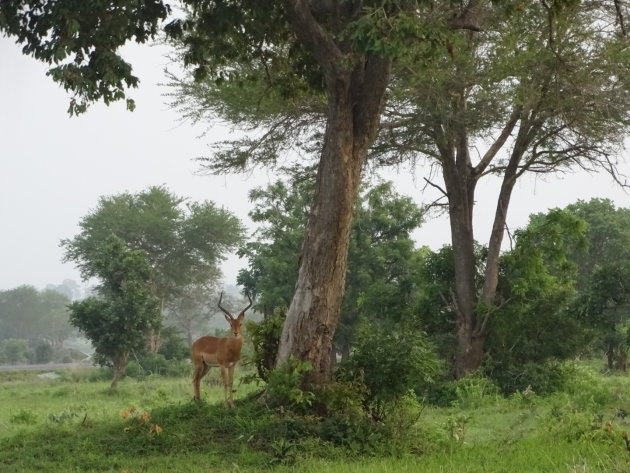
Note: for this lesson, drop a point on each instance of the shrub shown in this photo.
(265, 337)
(43, 352)
(173, 346)
(390, 364)
(156, 363)
(14, 350)
(543, 378)
(284, 386)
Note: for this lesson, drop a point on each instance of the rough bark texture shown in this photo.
(355, 99)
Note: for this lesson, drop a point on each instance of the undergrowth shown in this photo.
(153, 426)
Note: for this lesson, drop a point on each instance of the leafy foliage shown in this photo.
(533, 326)
(391, 364)
(265, 337)
(27, 313)
(381, 274)
(118, 321)
(184, 242)
(81, 41)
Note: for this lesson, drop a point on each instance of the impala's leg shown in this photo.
(231, 369)
(225, 376)
(201, 369)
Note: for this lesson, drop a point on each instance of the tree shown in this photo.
(381, 259)
(184, 242)
(603, 276)
(26, 313)
(540, 87)
(190, 309)
(120, 318)
(534, 323)
(340, 53)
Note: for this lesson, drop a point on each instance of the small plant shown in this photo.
(24, 416)
(62, 417)
(285, 384)
(282, 451)
(140, 421)
(456, 427)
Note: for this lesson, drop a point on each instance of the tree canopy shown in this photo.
(183, 241)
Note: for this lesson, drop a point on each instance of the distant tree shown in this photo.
(26, 313)
(13, 350)
(68, 288)
(119, 319)
(603, 276)
(184, 242)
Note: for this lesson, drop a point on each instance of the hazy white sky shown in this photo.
(53, 168)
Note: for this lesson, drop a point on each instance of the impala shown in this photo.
(219, 351)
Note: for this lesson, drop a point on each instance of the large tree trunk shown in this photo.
(355, 99)
(460, 185)
(314, 311)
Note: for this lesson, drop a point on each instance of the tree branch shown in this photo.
(500, 141)
(315, 38)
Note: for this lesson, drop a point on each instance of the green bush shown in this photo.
(173, 347)
(156, 363)
(14, 350)
(543, 378)
(390, 364)
(43, 352)
(284, 386)
(265, 337)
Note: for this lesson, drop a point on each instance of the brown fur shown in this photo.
(223, 352)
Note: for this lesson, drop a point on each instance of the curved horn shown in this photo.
(224, 310)
(250, 304)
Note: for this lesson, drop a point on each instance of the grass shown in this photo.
(73, 424)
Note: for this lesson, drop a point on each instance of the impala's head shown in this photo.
(235, 322)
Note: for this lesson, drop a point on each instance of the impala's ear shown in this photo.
(241, 316)
(228, 318)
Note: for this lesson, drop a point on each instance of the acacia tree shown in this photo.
(541, 87)
(119, 319)
(336, 49)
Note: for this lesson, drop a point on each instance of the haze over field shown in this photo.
(54, 168)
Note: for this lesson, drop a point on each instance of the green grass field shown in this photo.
(73, 424)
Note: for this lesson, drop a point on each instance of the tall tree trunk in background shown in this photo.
(472, 309)
(460, 182)
(355, 91)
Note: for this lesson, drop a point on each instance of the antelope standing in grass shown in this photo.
(219, 351)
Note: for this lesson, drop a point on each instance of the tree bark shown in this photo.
(119, 364)
(355, 91)
(460, 185)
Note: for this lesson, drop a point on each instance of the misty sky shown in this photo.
(53, 168)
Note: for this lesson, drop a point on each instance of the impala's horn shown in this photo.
(223, 309)
(242, 314)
